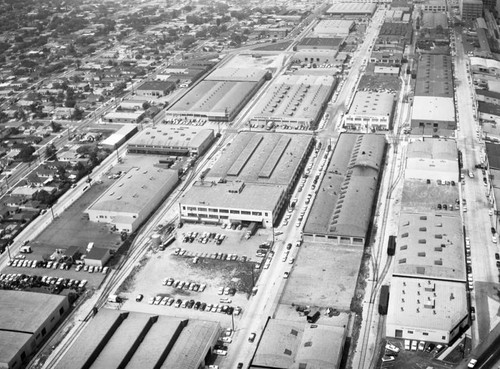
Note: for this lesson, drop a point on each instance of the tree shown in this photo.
(56, 127)
(51, 152)
(26, 154)
(77, 114)
(146, 105)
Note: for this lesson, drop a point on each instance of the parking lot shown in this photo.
(221, 275)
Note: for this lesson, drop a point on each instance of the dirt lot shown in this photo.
(377, 82)
(324, 276)
(214, 273)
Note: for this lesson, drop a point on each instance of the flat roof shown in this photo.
(134, 190)
(488, 108)
(352, 8)
(119, 135)
(237, 74)
(290, 344)
(291, 97)
(436, 109)
(433, 148)
(426, 304)
(493, 154)
(166, 135)
(352, 177)
(313, 42)
(124, 115)
(484, 62)
(432, 20)
(261, 158)
(395, 29)
(11, 343)
(25, 312)
(252, 196)
(192, 345)
(431, 246)
(372, 104)
(434, 76)
(333, 26)
(213, 97)
(156, 85)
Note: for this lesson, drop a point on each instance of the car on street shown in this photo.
(388, 358)
(252, 336)
(472, 363)
(139, 297)
(285, 275)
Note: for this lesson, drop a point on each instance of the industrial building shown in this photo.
(427, 310)
(470, 10)
(221, 95)
(251, 181)
(430, 115)
(98, 257)
(435, 6)
(349, 10)
(164, 139)
(485, 66)
(293, 345)
(393, 32)
(297, 100)
(119, 137)
(342, 210)
(333, 27)
(488, 111)
(155, 88)
(370, 111)
(432, 20)
(320, 43)
(434, 76)
(124, 117)
(26, 320)
(120, 339)
(132, 198)
(392, 57)
(316, 57)
(430, 246)
(433, 159)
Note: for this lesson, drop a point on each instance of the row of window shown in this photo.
(226, 211)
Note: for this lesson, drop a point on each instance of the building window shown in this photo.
(244, 212)
(202, 209)
(61, 311)
(425, 333)
(410, 332)
(257, 213)
(44, 332)
(398, 333)
(223, 211)
(234, 211)
(213, 210)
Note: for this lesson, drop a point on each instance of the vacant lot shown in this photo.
(324, 276)
(214, 273)
(278, 46)
(377, 82)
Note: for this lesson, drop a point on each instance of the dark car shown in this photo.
(289, 246)
(190, 304)
(240, 365)
(498, 263)
(220, 347)
(203, 306)
(230, 310)
(493, 230)
(497, 256)
(196, 305)
(430, 347)
(439, 206)
(469, 269)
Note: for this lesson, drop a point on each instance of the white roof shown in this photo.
(430, 108)
(485, 63)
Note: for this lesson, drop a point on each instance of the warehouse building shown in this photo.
(485, 66)
(427, 310)
(221, 95)
(392, 32)
(470, 10)
(166, 139)
(433, 159)
(124, 117)
(155, 88)
(130, 200)
(435, 6)
(251, 182)
(350, 10)
(430, 246)
(431, 116)
(298, 100)
(316, 57)
(488, 111)
(120, 339)
(370, 111)
(119, 137)
(26, 320)
(320, 43)
(333, 27)
(343, 207)
(98, 257)
(434, 76)
(293, 345)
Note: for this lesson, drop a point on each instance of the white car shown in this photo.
(392, 347)
(414, 345)
(388, 358)
(472, 363)
(407, 345)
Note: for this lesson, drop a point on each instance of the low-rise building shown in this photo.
(488, 111)
(124, 117)
(166, 139)
(119, 137)
(155, 88)
(98, 257)
(370, 111)
(470, 10)
(431, 114)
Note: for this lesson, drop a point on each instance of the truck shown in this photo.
(25, 250)
(167, 242)
(391, 246)
(384, 300)
(313, 316)
(251, 230)
(114, 298)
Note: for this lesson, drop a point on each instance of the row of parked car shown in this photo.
(217, 255)
(192, 304)
(188, 286)
(23, 280)
(204, 237)
(54, 264)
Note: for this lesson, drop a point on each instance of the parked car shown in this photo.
(252, 336)
(139, 297)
